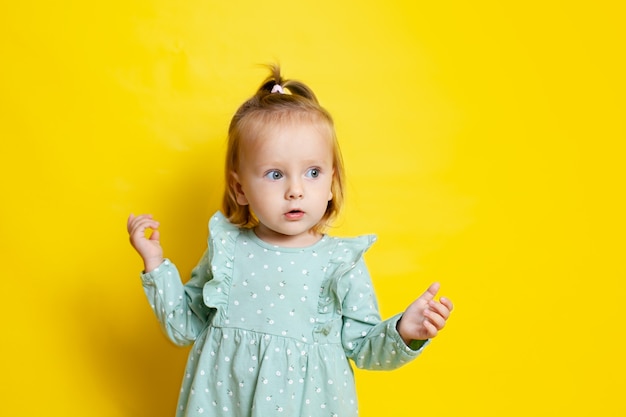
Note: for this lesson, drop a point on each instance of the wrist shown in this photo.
(407, 341)
(151, 264)
(413, 344)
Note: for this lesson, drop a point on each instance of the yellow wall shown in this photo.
(484, 143)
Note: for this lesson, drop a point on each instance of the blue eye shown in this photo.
(313, 173)
(274, 175)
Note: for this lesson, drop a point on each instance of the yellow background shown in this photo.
(484, 144)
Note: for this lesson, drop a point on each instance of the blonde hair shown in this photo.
(270, 105)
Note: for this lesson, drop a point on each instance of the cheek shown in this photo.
(259, 192)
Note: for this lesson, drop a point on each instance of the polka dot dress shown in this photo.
(273, 328)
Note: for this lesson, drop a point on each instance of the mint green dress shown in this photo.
(274, 328)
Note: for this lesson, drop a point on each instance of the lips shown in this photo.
(294, 214)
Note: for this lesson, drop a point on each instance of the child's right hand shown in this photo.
(149, 248)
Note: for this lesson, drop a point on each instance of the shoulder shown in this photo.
(220, 227)
(351, 245)
(218, 222)
(222, 235)
(346, 253)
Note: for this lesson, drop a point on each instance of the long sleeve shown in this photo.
(179, 308)
(369, 341)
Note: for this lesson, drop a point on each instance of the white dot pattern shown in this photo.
(274, 327)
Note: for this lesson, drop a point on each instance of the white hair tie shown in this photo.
(278, 89)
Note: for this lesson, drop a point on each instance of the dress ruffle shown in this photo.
(344, 258)
(223, 236)
(345, 255)
(222, 240)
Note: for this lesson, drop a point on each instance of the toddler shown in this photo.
(276, 308)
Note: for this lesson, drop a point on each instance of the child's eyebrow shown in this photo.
(308, 163)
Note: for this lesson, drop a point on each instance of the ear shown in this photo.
(238, 189)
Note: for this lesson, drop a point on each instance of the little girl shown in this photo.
(275, 308)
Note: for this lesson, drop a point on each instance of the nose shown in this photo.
(294, 190)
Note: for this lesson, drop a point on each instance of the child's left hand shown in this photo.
(425, 317)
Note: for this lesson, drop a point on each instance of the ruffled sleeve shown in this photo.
(184, 311)
(179, 308)
(223, 236)
(368, 340)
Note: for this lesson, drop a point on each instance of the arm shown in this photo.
(369, 341)
(375, 344)
(179, 308)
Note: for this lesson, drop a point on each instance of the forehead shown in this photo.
(290, 138)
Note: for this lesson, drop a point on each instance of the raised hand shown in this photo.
(149, 248)
(425, 317)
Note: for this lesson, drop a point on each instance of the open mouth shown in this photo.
(294, 214)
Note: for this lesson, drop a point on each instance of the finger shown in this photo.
(134, 220)
(430, 293)
(435, 319)
(446, 302)
(431, 330)
(439, 308)
(155, 235)
(129, 221)
(139, 227)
